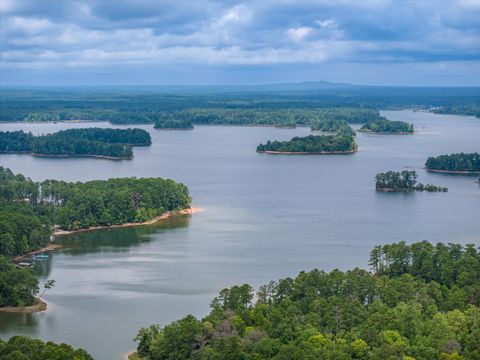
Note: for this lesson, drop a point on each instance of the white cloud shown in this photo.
(29, 25)
(7, 6)
(327, 24)
(299, 33)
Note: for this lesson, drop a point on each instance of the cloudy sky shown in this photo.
(105, 42)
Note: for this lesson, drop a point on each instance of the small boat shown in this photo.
(25, 265)
(41, 257)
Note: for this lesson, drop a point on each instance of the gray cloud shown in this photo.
(48, 35)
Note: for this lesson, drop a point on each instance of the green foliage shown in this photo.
(415, 305)
(283, 118)
(311, 144)
(383, 125)
(30, 208)
(17, 286)
(24, 348)
(469, 109)
(403, 181)
(455, 162)
(76, 142)
(165, 121)
(340, 127)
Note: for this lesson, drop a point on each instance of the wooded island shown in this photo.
(312, 144)
(385, 126)
(392, 181)
(94, 142)
(454, 163)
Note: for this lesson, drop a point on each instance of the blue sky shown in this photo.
(114, 42)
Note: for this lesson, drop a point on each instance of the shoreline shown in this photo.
(190, 128)
(39, 306)
(453, 171)
(53, 246)
(153, 221)
(349, 152)
(391, 190)
(386, 133)
(48, 248)
(83, 156)
(69, 156)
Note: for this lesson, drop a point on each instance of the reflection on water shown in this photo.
(118, 239)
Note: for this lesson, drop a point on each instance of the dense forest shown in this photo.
(136, 105)
(340, 127)
(24, 348)
(275, 117)
(29, 209)
(383, 125)
(421, 301)
(18, 287)
(403, 181)
(312, 144)
(110, 143)
(455, 162)
(171, 123)
(470, 109)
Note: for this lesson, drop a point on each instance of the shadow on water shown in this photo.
(15, 320)
(118, 239)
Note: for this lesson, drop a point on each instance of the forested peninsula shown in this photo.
(385, 126)
(113, 144)
(30, 211)
(454, 163)
(404, 181)
(312, 144)
(420, 301)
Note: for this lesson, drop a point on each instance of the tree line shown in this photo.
(311, 144)
(171, 122)
(472, 109)
(421, 301)
(455, 162)
(340, 127)
(405, 180)
(25, 348)
(115, 143)
(383, 125)
(29, 209)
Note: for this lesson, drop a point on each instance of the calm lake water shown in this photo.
(265, 217)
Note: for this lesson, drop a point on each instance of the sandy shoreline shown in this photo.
(453, 171)
(309, 153)
(38, 307)
(164, 216)
(48, 248)
(54, 246)
(386, 133)
(83, 156)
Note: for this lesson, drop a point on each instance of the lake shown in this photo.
(265, 217)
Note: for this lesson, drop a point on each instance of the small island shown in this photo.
(171, 123)
(461, 163)
(311, 145)
(113, 144)
(405, 181)
(339, 127)
(387, 127)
